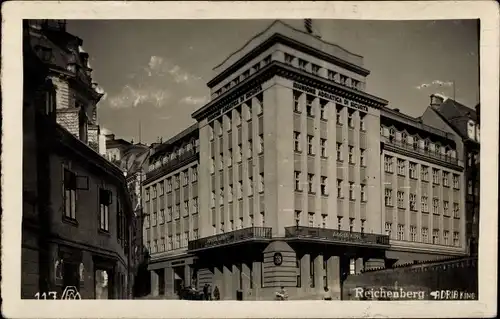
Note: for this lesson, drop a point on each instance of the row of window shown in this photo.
(297, 107)
(217, 127)
(316, 69)
(177, 153)
(424, 235)
(239, 190)
(238, 154)
(172, 182)
(417, 142)
(171, 244)
(424, 172)
(239, 223)
(424, 201)
(172, 213)
(324, 150)
(324, 186)
(246, 74)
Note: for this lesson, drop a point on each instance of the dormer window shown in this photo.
(302, 64)
(246, 74)
(392, 133)
(315, 69)
(289, 58)
(404, 137)
(256, 67)
(267, 60)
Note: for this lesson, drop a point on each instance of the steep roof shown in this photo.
(456, 115)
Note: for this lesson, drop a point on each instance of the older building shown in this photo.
(423, 190)
(463, 122)
(171, 210)
(76, 209)
(290, 185)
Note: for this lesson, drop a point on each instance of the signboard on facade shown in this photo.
(226, 108)
(329, 96)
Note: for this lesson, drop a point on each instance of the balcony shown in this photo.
(230, 238)
(411, 150)
(185, 158)
(336, 236)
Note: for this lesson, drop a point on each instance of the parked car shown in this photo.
(190, 293)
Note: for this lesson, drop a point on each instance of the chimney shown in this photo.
(436, 100)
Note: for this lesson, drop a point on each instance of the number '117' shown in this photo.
(43, 295)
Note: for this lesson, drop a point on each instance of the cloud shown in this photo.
(191, 100)
(435, 83)
(154, 84)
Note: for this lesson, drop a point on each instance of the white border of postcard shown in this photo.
(13, 12)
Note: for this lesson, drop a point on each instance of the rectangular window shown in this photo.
(363, 193)
(302, 64)
(154, 191)
(401, 232)
(339, 152)
(147, 194)
(323, 220)
(186, 208)
(239, 154)
(435, 176)
(249, 150)
(297, 181)
(296, 101)
(261, 182)
(186, 178)
(229, 157)
(413, 170)
(446, 181)
(388, 229)
(446, 237)
(195, 205)
(456, 210)
(170, 245)
(250, 186)
(177, 241)
(362, 125)
(401, 167)
(322, 143)
(221, 161)
(351, 155)
(309, 106)
(162, 244)
(311, 219)
(413, 233)
(169, 214)
(70, 195)
(310, 183)
(153, 221)
(388, 197)
(362, 159)
(177, 181)
(424, 204)
(161, 218)
(322, 109)
(289, 58)
(388, 164)
(185, 239)
(310, 148)
(239, 190)
(446, 206)
(435, 205)
(339, 222)
(339, 188)
(351, 224)
(401, 199)
(338, 110)
(435, 237)
(425, 235)
(456, 183)
(456, 239)
(296, 141)
(177, 211)
(350, 118)
(162, 188)
(413, 202)
(324, 185)
(424, 173)
(351, 191)
(315, 69)
(155, 246)
(146, 221)
(221, 196)
(261, 144)
(104, 204)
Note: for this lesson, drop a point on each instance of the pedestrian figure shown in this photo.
(209, 292)
(282, 294)
(205, 292)
(216, 293)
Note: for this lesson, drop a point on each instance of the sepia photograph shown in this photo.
(251, 159)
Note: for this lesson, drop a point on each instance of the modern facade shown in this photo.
(76, 209)
(290, 188)
(463, 122)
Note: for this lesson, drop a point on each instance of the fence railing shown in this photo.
(231, 237)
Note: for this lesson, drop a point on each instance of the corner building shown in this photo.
(289, 178)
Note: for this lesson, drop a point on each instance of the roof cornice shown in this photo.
(289, 72)
(280, 38)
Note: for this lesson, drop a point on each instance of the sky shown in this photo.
(154, 72)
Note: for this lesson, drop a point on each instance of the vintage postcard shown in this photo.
(236, 159)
